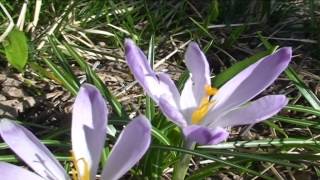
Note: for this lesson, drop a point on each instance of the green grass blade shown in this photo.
(200, 154)
(298, 122)
(91, 75)
(263, 143)
(150, 107)
(304, 109)
(252, 156)
(65, 79)
(304, 90)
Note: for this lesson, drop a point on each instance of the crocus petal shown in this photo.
(254, 112)
(31, 150)
(169, 88)
(171, 111)
(88, 133)
(197, 64)
(10, 172)
(141, 70)
(131, 145)
(251, 81)
(204, 135)
(188, 102)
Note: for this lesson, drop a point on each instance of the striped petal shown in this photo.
(131, 145)
(88, 133)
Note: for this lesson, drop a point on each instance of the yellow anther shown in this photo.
(210, 91)
(76, 170)
(205, 105)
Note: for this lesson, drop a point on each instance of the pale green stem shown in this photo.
(182, 166)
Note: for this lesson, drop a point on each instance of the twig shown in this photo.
(10, 26)
(22, 15)
(32, 26)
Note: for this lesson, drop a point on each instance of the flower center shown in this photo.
(76, 171)
(205, 105)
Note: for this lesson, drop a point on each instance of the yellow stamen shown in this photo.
(76, 170)
(210, 91)
(205, 105)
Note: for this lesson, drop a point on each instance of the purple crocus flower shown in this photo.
(203, 112)
(88, 134)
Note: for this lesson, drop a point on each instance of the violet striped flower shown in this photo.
(203, 112)
(88, 134)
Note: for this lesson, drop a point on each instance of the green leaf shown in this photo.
(16, 49)
(252, 156)
(150, 107)
(303, 88)
(234, 36)
(263, 143)
(202, 28)
(210, 157)
(226, 75)
(304, 109)
(214, 12)
(298, 122)
(212, 168)
(265, 41)
(95, 80)
(64, 78)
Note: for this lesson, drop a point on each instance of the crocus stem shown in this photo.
(181, 167)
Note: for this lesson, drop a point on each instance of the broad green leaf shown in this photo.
(226, 75)
(16, 49)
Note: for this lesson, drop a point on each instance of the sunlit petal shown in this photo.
(198, 66)
(254, 112)
(251, 81)
(12, 172)
(171, 111)
(169, 88)
(141, 70)
(31, 150)
(88, 133)
(187, 101)
(131, 145)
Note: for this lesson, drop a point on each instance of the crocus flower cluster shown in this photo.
(88, 134)
(203, 112)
